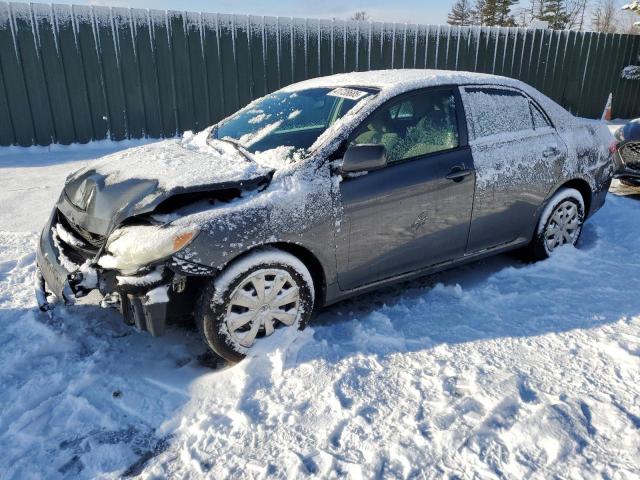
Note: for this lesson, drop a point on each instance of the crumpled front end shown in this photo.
(111, 229)
(140, 279)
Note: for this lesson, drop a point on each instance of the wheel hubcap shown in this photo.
(263, 301)
(563, 226)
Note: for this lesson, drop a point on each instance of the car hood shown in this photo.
(138, 180)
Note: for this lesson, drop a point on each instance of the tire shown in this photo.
(231, 315)
(560, 223)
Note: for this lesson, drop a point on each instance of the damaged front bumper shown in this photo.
(50, 276)
(143, 299)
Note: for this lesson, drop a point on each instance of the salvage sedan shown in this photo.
(320, 191)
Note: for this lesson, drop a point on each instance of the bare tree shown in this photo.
(523, 17)
(536, 8)
(461, 13)
(576, 10)
(603, 16)
(360, 16)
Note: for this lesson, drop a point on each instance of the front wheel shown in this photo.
(560, 223)
(266, 290)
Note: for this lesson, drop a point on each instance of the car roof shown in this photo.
(403, 80)
(395, 82)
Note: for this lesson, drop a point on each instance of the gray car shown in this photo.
(322, 190)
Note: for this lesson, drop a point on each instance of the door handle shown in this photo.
(550, 152)
(457, 174)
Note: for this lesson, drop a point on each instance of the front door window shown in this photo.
(413, 127)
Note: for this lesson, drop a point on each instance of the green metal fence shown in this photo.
(80, 73)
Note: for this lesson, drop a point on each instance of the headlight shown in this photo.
(130, 248)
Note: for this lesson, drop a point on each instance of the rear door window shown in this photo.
(494, 111)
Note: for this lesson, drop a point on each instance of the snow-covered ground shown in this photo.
(495, 370)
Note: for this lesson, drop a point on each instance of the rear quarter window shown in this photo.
(493, 111)
(539, 119)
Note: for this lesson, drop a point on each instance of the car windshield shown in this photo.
(290, 119)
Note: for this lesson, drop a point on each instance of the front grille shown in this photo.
(630, 154)
(93, 239)
(76, 243)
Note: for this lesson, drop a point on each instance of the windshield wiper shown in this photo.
(232, 141)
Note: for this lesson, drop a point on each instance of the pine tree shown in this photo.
(555, 13)
(461, 13)
(490, 12)
(503, 13)
(498, 13)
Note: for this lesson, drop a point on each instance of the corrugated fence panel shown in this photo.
(198, 72)
(6, 126)
(258, 58)
(26, 40)
(55, 75)
(80, 73)
(271, 51)
(630, 101)
(106, 40)
(16, 91)
(182, 70)
(326, 44)
(146, 62)
(164, 72)
(86, 32)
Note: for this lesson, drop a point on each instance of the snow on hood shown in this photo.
(188, 162)
(137, 180)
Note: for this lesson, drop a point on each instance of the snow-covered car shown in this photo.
(322, 190)
(626, 150)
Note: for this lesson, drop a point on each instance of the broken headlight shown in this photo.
(133, 247)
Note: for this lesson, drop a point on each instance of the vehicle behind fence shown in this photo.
(81, 73)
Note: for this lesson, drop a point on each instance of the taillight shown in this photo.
(613, 147)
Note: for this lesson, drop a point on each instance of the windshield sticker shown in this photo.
(350, 93)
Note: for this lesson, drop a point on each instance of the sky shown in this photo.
(413, 11)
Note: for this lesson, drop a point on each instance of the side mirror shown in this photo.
(360, 158)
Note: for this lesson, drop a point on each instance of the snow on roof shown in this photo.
(406, 79)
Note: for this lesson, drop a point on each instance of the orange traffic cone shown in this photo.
(606, 115)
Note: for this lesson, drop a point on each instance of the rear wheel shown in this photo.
(560, 223)
(267, 290)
